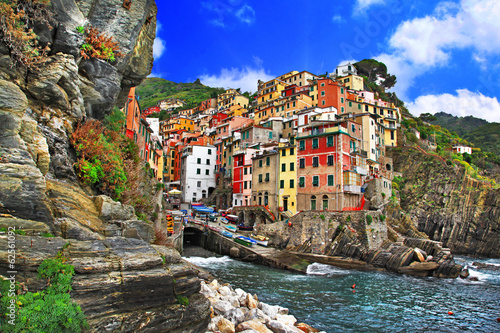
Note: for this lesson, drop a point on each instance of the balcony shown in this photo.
(359, 152)
(390, 117)
(352, 188)
(360, 170)
(323, 130)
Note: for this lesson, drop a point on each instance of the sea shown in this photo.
(338, 300)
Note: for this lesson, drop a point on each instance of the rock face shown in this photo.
(449, 206)
(121, 284)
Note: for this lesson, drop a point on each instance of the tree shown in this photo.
(427, 117)
(375, 70)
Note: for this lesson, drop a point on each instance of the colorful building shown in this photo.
(287, 180)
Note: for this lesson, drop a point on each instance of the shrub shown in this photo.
(98, 45)
(322, 217)
(182, 300)
(369, 219)
(348, 218)
(17, 19)
(382, 218)
(50, 310)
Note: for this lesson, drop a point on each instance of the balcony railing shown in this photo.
(359, 152)
(322, 130)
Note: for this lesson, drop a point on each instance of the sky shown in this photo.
(445, 54)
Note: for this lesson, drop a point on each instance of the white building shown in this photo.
(197, 172)
(344, 70)
(462, 149)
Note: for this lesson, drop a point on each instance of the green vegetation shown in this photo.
(322, 217)
(182, 300)
(99, 45)
(382, 218)
(369, 219)
(18, 18)
(153, 90)
(49, 310)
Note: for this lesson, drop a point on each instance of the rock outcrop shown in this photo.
(122, 283)
(448, 205)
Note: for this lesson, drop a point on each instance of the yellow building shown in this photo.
(287, 176)
(231, 97)
(235, 111)
(354, 82)
(177, 123)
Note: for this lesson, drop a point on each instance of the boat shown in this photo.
(231, 228)
(224, 220)
(226, 234)
(241, 226)
(232, 218)
(261, 240)
(214, 228)
(244, 241)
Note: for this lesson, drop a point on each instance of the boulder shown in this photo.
(419, 268)
(306, 328)
(253, 325)
(269, 310)
(464, 274)
(256, 314)
(235, 315)
(279, 327)
(225, 326)
(250, 302)
(286, 319)
(419, 255)
(222, 307)
(109, 209)
(234, 252)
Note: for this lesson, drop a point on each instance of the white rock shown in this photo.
(286, 319)
(250, 302)
(222, 307)
(236, 316)
(270, 310)
(279, 327)
(283, 311)
(206, 291)
(233, 300)
(225, 326)
(213, 325)
(225, 291)
(256, 314)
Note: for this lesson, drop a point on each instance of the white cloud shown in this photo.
(245, 78)
(464, 103)
(362, 5)
(158, 47)
(337, 19)
(246, 14)
(421, 44)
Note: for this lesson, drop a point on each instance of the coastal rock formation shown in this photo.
(449, 205)
(239, 311)
(359, 240)
(121, 284)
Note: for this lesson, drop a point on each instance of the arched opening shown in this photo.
(266, 199)
(193, 237)
(313, 202)
(388, 167)
(325, 202)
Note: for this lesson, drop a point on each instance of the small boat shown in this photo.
(241, 226)
(224, 220)
(213, 228)
(244, 241)
(231, 228)
(226, 234)
(232, 218)
(261, 240)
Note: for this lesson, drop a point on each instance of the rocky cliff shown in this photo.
(122, 283)
(447, 204)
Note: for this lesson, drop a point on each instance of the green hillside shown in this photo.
(478, 132)
(153, 90)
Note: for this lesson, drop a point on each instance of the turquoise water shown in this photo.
(381, 302)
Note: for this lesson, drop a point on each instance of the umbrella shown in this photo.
(174, 192)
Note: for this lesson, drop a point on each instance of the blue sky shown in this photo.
(445, 54)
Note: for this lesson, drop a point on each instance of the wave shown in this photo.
(210, 261)
(326, 270)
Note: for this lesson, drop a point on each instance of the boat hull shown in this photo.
(242, 241)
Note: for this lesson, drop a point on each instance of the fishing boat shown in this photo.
(244, 240)
(214, 228)
(226, 234)
(231, 228)
(261, 240)
(232, 218)
(224, 220)
(241, 226)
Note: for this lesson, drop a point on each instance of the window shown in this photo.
(260, 163)
(283, 152)
(267, 176)
(302, 163)
(282, 184)
(292, 166)
(302, 181)
(359, 106)
(315, 161)
(342, 91)
(283, 167)
(245, 171)
(207, 172)
(198, 161)
(198, 184)
(208, 161)
(325, 202)
(330, 180)
(341, 109)
(342, 99)
(291, 183)
(198, 171)
(302, 145)
(329, 141)
(292, 151)
(266, 199)
(315, 181)
(322, 84)
(322, 93)
(323, 102)
(313, 202)
(245, 185)
(268, 161)
(353, 128)
(260, 178)
(315, 143)
(270, 135)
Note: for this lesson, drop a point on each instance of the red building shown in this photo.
(149, 111)
(327, 156)
(331, 93)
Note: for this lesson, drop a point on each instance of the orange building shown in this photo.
(331, 93)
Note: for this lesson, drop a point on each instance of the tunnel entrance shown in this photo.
(193, 237)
